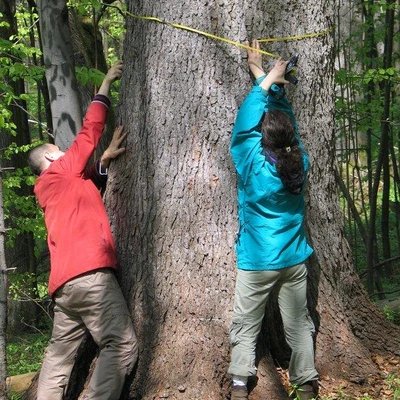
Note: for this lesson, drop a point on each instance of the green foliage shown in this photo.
(110, 21)
(15, 56)
(27, 19)
(379, 75)
(393, 383)
(392, 315)
(25, 353)
(5, 120)
(28, 286)
(3, 24)
(15, 396)
(89, 75)
(86, 6)
(359, 95)
(21, 212)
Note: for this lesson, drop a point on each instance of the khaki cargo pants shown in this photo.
(252, 291)
(91, 302)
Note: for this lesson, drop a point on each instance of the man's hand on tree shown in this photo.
(114, 150)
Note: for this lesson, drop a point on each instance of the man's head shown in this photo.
(40, 157)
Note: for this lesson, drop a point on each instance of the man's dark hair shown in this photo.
(35, 158)
(280, 140)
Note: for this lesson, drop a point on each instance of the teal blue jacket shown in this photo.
(271, 233)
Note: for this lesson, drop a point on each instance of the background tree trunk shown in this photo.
(60, 71)
(88, 52)
(3, 297)
(69, 40)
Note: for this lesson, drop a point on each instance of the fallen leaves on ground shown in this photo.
(381, 386)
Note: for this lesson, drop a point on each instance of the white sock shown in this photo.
(239, 380)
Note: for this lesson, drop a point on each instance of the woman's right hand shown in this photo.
(276, 75)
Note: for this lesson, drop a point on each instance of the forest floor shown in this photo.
(383, 386)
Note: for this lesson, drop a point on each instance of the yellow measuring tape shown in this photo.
(222, 39)
(206, 34)
(298, 37)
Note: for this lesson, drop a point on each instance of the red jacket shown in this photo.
(79, 233)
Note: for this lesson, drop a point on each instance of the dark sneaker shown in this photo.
(308, 391)
(239, 392)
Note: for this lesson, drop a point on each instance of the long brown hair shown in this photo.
(280, 141)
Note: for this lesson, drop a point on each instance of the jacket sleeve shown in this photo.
(77, 156)
(246, 134)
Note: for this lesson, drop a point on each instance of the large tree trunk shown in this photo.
(173, 201)
(173, 204)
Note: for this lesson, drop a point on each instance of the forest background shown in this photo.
(366, 150)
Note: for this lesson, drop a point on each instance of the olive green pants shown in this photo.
(252, 291)
(91, 302)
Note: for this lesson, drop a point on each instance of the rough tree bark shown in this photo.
(172, 200)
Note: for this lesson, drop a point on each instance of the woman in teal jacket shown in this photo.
(271, 247)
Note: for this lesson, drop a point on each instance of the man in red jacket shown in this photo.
(82, 256)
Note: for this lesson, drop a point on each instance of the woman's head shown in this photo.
(277, 130)
(279, 138)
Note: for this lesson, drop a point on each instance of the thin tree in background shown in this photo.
(383, 157)
(3, 295)
(387, 135)
(60, 71)
(370, 58)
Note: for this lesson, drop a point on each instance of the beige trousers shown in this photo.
(91, 302)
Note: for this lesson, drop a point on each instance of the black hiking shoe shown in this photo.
(239, 392)
(307, 391)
